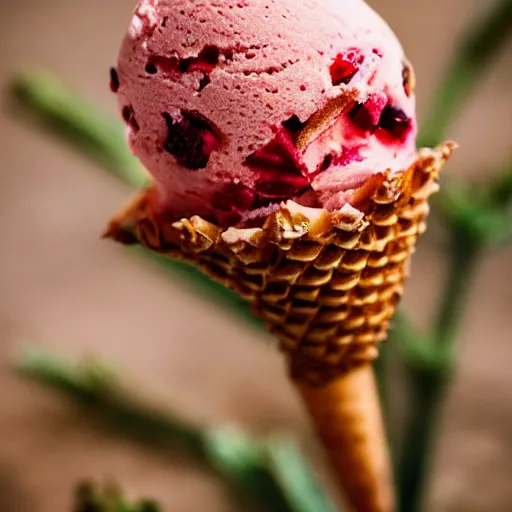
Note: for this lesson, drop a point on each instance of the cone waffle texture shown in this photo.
(325, 283)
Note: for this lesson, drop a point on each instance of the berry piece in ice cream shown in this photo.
(191, 139)
(345, 66)
(394, 121)
(114, 80)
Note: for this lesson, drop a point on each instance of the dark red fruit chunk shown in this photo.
(191, 139)
(361, 117)
(204, 82)
(206, 61)
(395, 121)
(167, 65)
(233, 197)
(326, 163)
(278, 161)
(345, 66)
(129, 118)
(279, 165)
(151, 68)
(275, 187)
(114, 80)
(230, 202)
(293, 125)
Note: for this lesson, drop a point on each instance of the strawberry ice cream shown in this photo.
(234, 107)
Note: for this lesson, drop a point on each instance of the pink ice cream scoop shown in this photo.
(236, 106)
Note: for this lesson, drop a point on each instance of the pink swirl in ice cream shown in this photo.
(236, 106)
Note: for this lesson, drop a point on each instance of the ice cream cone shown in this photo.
(348, 420)
(326, 284)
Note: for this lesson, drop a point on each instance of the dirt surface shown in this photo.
(63, 288)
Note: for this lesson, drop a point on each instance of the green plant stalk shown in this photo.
(247, 464)
(205, 286)
(80, 124)
(472, 58)
(427, 392)
(380, 368)
(500, 190)
(499, 200)
(429, 381)
(465, 257)
(401, 331)
(295, 479)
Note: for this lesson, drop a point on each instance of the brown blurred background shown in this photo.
(62, 287)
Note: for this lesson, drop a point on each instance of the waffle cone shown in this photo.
(326, 284)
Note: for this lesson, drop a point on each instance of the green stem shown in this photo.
(77, 122)
(294, 476)
(470, 61)
(206, 287)
(381, 367)
(430, 369)
(464, 262)
(400, 334)
(246, 463)
(94, 386)
(427, 395)
(500, 189)
(499, 197)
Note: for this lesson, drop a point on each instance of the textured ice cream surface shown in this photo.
(235, 107)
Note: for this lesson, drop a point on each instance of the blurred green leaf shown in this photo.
(479, 215)
(424, 356)
(205, 286)
(243, 461)
(77, 122)
(93, 385)
(499, 204)
(294, 476)
(499, 193)
(401, 333)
